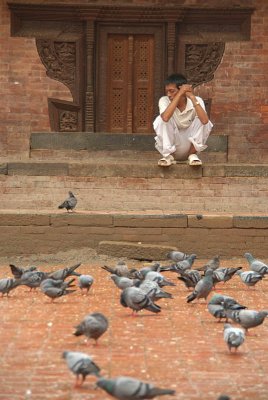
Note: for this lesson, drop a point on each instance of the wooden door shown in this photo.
(128, 81)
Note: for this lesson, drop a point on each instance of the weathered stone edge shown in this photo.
(130, 169)
(172, 221)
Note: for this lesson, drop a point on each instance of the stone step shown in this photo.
(84, 146)
(122, 185)
(136, 235)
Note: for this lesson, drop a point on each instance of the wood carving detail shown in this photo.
(68, 121)
(59, 59)
(202, 60)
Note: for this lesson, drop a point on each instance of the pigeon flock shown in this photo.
(143, 289)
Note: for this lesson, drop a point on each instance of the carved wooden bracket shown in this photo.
(201, 61)
(59, 59)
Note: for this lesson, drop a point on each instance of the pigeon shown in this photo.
(217, 309)
(122, 282)
(93, 326)
(234, 337)
(17, 272)
(65, 272)
(256, 265)
(213, 264)
(190, 277)
(8, 284)
(176, 256)
(152, 289)
(80, 364)
(55, 289)
(121, 269)
(85, 282)
(182, 266)
(203, 287)
(70, 203)
(158, 278)
(246, 318)
(126, 388)
(224, 274)
(153, 267)
(33, 279)
(59, 283)
(137, 300)
(250, 278)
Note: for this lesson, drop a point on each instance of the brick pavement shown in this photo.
(181, 348)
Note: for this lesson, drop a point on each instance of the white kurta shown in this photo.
(183, 129)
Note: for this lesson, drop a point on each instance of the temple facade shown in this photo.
(97, 67)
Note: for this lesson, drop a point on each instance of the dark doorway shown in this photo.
(129, 78)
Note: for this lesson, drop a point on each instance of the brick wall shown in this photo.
(239, 89)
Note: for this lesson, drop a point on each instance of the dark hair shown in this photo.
(177, 79)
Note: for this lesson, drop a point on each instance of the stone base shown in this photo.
(135, 251)
(148, 235)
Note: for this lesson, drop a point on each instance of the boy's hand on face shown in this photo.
(186, 90)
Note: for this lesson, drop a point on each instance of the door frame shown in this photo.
(160, 54)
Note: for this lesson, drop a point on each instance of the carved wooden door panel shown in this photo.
(128, 80)
(130, 83)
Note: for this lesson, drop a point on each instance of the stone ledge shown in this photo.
(209, 221)
(108, 141)
(136, 251)
(3, 169)
(235, 170)
(258, 222)
(121, 167)
(153, 221)
(148, 236)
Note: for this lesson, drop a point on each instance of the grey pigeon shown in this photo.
(153, 267)
(153, 290)
(17, 272)
(203, 287)
(234, 337)
(250, 278)
(85, 282)
(182, 266)
(246, 318)
(8, 284)
(136, 300)
(176, 256)
(65, 272)
(70, 203)
(122, 282)
(224, 274)
(126, 388)
(158, 278)
(33, 279)
(93, 326)
(213, 264)
(59, 283)
(80, 364)
(217, 309)
(256, 265)
(121, 269)
(190, 277)
(54, 291)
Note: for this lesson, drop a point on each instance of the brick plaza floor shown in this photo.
(180, 348)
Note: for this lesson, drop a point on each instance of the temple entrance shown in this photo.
(129, 78)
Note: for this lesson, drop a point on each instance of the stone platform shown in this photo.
(123, 196)
(123, 184)
(138, 236)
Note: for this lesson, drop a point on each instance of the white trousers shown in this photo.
(171, 140)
